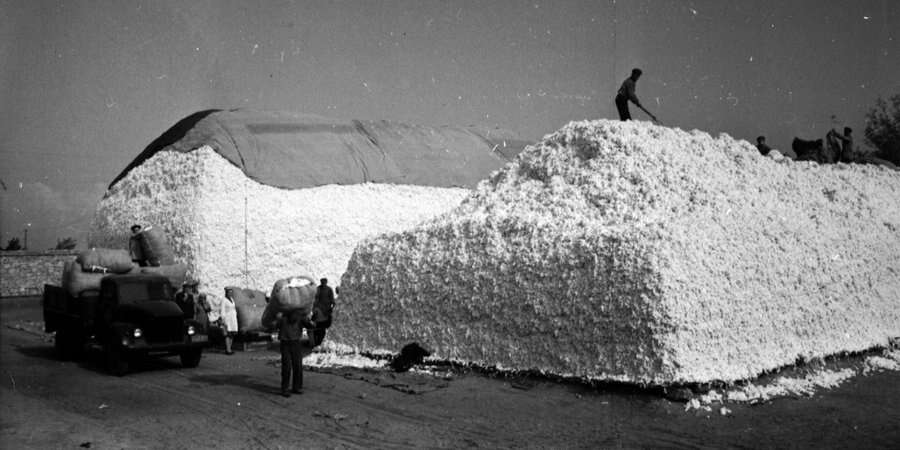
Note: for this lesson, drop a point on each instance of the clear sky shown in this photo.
(86, 85)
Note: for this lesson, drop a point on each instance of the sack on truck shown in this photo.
(105, 260)
(176, 273)
(155, 248)
(75, 280)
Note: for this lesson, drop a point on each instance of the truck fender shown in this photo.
(122, 330)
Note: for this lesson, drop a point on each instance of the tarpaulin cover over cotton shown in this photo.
(293, 150)
(247, 197)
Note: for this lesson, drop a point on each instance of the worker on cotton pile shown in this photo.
(628, 92)
(134, 246)
(761, 145)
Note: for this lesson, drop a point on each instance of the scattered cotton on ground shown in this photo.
(639, 253)
(795, 386)
(890, 360)
(327, 360)
(790, 386)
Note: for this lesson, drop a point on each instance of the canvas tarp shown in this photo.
(295, 151)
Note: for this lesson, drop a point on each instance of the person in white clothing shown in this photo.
(224, 314)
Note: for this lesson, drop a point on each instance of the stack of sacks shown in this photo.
(90, 266)
(250, 305)
(157, 253)
(155, 249)
(105, 260)
(176, 273)
(75, 281)
(632, 252)
(289, 294)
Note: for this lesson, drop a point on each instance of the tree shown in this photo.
(66, 244)
(13, 244)
(883, 128)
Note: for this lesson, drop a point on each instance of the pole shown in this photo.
(25, 247)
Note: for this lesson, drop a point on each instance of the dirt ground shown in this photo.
(232, 402)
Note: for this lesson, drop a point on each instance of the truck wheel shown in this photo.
(75, 344)
(69, 344)
(116, 361)
(61, 344)
(191, 358)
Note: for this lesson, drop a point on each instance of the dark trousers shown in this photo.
(317, 334)
(622, 106)
(291, 362)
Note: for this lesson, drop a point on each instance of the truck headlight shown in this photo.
(137, 333)
(191, 331)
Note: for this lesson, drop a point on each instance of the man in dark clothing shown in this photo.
(290, 329)
(322, 310)
(847, 152)
(134, 246)
(761, 146)
(186, 298)
(628, 92)
(833, 143)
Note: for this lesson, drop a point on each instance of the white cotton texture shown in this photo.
(633, 252)
(233, 231)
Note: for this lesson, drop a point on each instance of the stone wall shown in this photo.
(26, 272)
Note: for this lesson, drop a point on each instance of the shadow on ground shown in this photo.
(243, 381)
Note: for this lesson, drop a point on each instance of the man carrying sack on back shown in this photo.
(290, 326)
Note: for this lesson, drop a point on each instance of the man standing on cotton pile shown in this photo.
(134, 246)
(628, 91)
(761, 145)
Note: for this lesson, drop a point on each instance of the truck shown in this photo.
(131, 316)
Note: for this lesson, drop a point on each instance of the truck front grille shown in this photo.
(165, 329)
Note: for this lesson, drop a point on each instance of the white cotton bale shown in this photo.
(293, 293)
(289, 294)
(246, 197)
(632, 252)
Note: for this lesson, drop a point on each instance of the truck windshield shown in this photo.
(142, 292)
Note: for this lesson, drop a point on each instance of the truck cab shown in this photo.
(132, 316)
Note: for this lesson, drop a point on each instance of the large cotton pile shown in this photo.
(633, 252)
(248, 197)
(233, 231)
